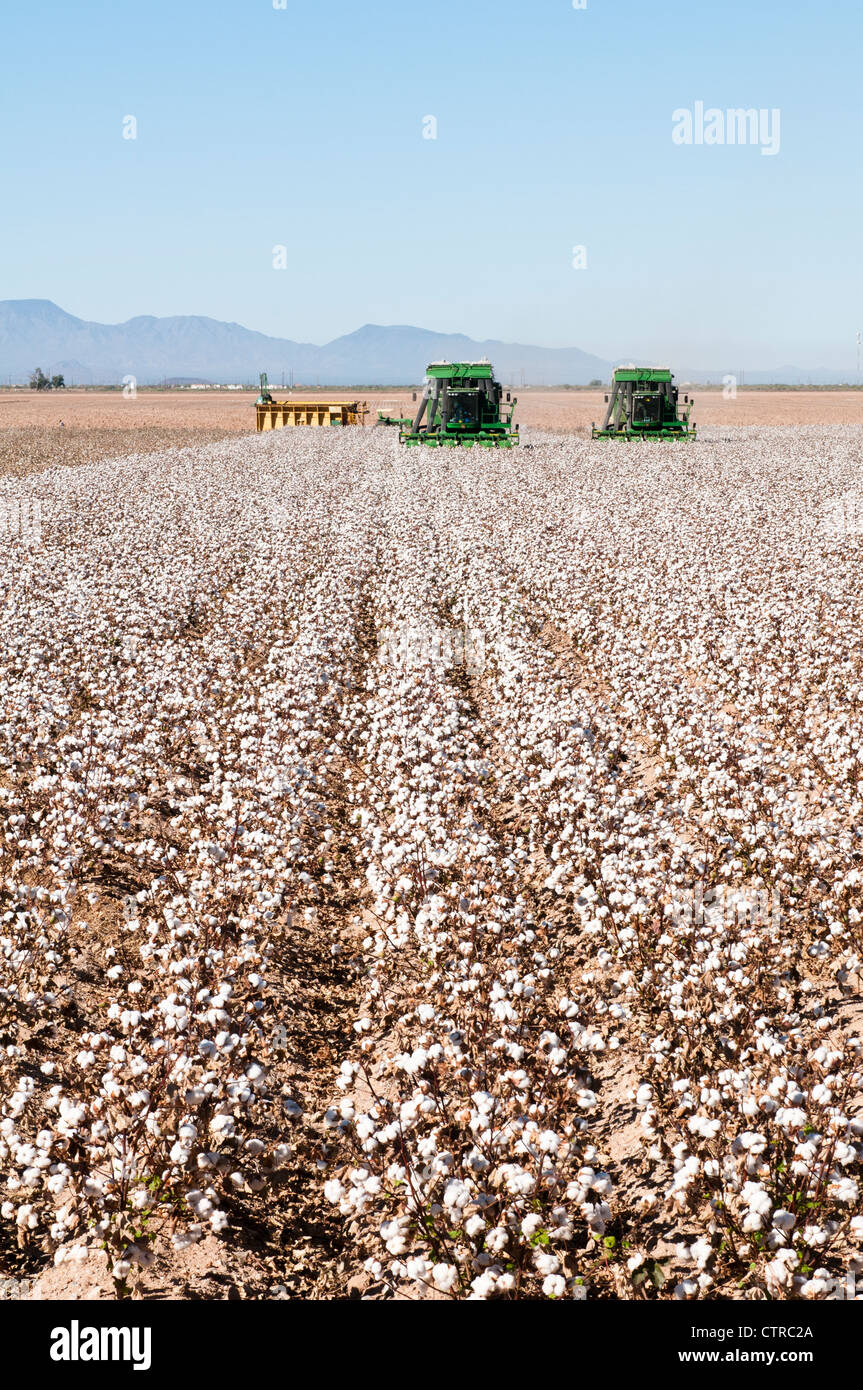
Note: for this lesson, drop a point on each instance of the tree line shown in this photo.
(40, 382)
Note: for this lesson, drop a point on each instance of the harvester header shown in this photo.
(643, 405)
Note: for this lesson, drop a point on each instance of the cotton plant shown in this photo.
(181, 761)
(579, 734)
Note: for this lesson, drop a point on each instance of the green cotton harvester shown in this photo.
(461, 405)
(643, 405)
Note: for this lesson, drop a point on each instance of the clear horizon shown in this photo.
(555, 129)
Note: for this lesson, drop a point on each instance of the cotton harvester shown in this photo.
(461, 406)
(643, 405)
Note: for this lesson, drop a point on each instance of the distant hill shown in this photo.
(37, 333)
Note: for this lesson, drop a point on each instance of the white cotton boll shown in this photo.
(687, 1288)
(224, 1126)
(817, 1286)
(554, 1286)
(845, 1190)
(780, 1269)
(784, 1220)
(792, 1118)
(597, 1216)
(701, 1252)
(756, 1198)
(817, 1236)
(497, 1239)
(444, 1277)
(181, 1240)
(483, 1286)
(333, 1190)
(456, 1194)
(750, 1142)
(644, 1095)
(707, 1129)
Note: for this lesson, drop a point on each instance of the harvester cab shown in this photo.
(462, 405)
(644, 405)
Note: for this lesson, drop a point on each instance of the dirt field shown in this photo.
(576, 410)
(221, 412)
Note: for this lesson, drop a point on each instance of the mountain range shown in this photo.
(37, 333)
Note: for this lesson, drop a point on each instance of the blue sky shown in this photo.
(303, 127)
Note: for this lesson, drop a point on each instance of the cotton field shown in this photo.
(445, 862)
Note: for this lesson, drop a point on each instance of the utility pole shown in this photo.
(859, 344)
